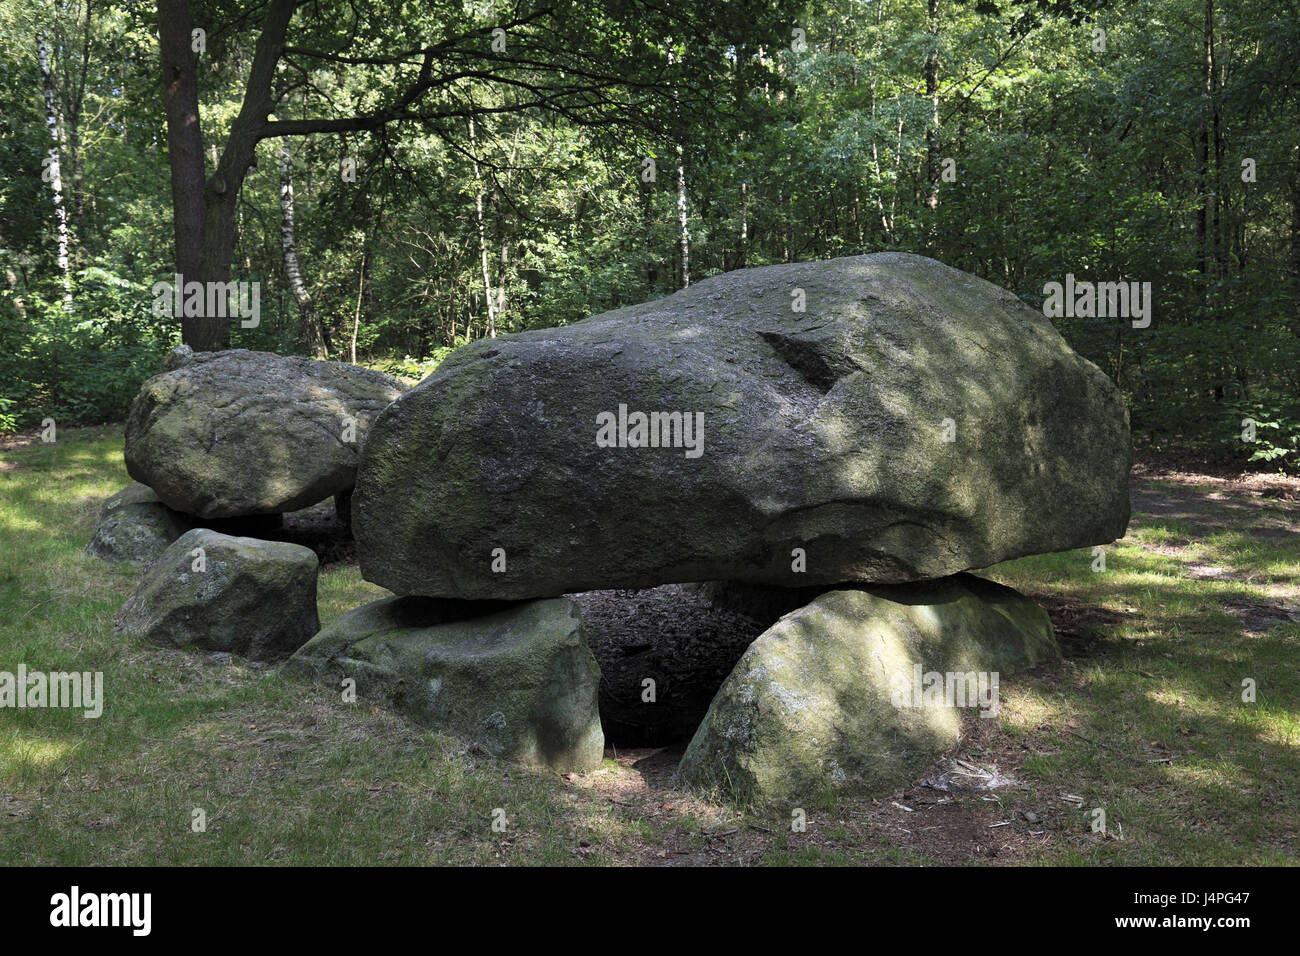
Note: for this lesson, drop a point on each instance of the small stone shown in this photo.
(135, 527)
(239, 595)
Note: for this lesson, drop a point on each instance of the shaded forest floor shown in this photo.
(1144, 720)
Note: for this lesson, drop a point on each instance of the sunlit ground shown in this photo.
(1145, 720)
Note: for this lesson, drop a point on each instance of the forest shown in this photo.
(629, 433)
(400, 179)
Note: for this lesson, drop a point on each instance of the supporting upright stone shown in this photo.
(135, 527)
(858, 692)
(516, 679)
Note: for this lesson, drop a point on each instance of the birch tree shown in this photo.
(53, 170)
(311, 326)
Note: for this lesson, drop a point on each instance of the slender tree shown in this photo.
(53, 167)
(311, 326)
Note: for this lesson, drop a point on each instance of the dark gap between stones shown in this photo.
(323, 527)
(684, 637)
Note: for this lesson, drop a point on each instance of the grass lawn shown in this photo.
(1144, 720)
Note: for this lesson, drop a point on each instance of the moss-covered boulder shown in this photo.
(517, 679)
(180, 355)
(216, 592)
(135, 527)
(912, 422)
(227, 434)
(861, 690)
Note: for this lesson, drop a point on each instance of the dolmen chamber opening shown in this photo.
(759, 500)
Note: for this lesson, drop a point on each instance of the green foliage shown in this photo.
(1281, 417)
(78, 365)
(1110, 165)
(414, 370)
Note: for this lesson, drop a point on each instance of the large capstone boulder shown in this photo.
(216, 592)
(235, 433)
(177, 357)
(861, 690)
(516, 680)
(135, 527)
(879, 418)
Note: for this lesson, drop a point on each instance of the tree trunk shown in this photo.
(56, 176)
(932, 149)
(488, 296)
(1203, 216)
(652, 250)
(1295, 244)
(933, 159)
(361, 285)
(76, 87)
(742, 258)
(221, 196)
(503, 242)
(1220, 244)
(683, 235)
(185, 155)
(205, 215)
(684, 242)
(311, 326)
(503, 267)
